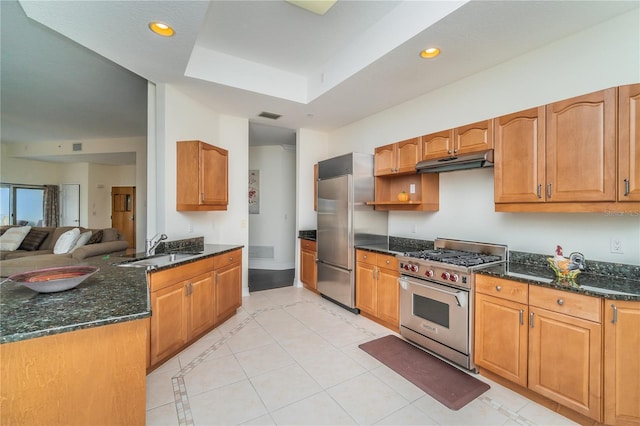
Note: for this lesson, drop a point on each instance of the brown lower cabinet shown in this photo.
(92, 376)
(189, 300)
(576, 350)
(308, 267)
(377, 289)
(621, 362)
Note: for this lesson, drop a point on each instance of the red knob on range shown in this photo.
(445, 275)
(428, 273)
(406, 267)
(454, 277)
(414, 268)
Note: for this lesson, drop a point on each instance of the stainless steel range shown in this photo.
(436, 296)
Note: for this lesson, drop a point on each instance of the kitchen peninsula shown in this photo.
(79, 356)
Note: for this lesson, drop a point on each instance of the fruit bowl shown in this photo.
(568, 275)
(51, 280)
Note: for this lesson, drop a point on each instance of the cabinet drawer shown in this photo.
(161, 279)
(387, 262)
(222, 260)
(308, 245)
(564, 302)
(504, 289)
(366, 257)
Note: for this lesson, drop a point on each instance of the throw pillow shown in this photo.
(66, 241)
(96, 237)
(82, 240)
(12, 238)
(34, 238)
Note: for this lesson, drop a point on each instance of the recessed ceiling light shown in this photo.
(431, 52)
(161, 28)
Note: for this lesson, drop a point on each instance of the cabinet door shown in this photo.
(565, 361)
(581, 148)
(437, 145)
(519, 157)
(501, 337)
(201, 312)
(409, 153)
(629, 143)
(168, 321)
(385, 160)
(213, 175)
(388, 296)
(308, 268)
(621, 362)
(473, 137)
(228, 290)
(366, 293)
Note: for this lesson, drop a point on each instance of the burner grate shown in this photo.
(454, 257)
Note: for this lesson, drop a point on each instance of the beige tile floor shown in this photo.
(289, 357)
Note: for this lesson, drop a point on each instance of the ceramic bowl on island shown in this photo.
(51, 280)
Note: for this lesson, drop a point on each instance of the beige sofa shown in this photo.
(112, 242)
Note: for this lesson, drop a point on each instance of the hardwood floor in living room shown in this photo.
(265, 279)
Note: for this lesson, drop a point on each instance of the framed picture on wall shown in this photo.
(254, 191)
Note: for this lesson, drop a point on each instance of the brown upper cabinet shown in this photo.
(397, 158)
(562, 157)
(629, 143)
(581, 148)
(520, 157)
(465, 139)
(202, 177)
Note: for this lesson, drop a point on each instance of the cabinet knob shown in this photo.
(560, 302)
(388, 261)
(364, 256)
(498, 288)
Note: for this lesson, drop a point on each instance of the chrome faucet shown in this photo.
(153, 243)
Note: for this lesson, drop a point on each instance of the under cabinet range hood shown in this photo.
(459, 162)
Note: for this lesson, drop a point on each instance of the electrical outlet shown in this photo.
(414, 228)
(616, 246)
(190, 228)
(412, 188)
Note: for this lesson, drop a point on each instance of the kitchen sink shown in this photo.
(158, 260)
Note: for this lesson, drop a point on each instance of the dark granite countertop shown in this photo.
(601, 279)
(589, 283)
(307, 235)
(112, 295)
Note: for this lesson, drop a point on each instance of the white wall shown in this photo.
(179, 117)
(17, 167)
(311, 147)
(101, 179)
(275, 224)
(603, 56)
(28, 172)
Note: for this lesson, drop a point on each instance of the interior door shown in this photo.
(69, 205)
(123, 212)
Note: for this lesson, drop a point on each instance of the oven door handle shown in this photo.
(460, 296)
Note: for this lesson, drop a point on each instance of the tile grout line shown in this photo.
(512, 415)
(181, 398)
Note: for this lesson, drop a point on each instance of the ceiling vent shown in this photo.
(77, 147)
(270, 115)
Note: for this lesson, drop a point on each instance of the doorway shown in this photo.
(69, 204)
(272, 214)
(123, 212)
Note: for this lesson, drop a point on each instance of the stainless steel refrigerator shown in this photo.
(345, 184)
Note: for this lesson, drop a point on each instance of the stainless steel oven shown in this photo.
(436, 296)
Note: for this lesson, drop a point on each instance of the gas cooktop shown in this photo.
(454, 257)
